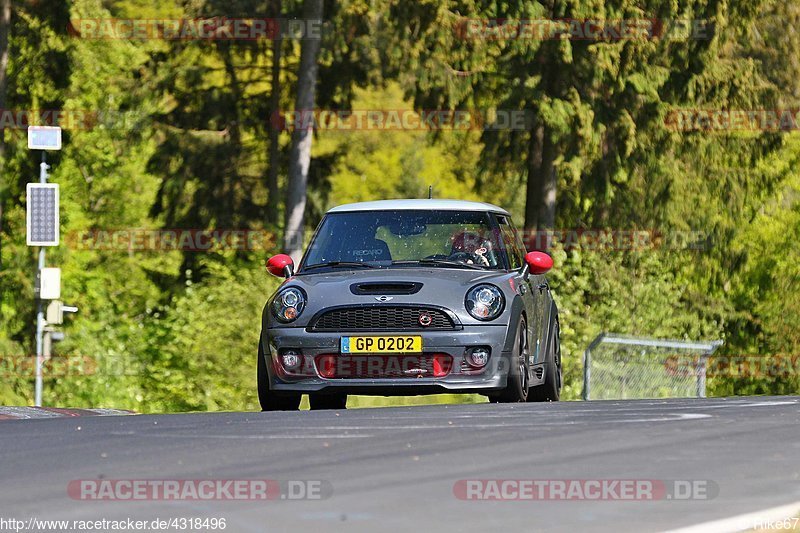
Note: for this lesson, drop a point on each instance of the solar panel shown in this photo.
(42, 214)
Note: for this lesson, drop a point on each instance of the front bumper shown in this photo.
(460, 379)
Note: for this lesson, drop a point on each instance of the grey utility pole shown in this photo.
(43, 167)
(42, 231)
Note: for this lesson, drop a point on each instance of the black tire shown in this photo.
(269, 400)
(318, 402)
(517, 384)
(550, 390)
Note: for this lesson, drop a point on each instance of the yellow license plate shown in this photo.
(400, 344)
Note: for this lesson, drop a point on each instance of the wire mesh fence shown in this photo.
(621, 367)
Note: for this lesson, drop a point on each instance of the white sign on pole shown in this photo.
(42, 214)
(50, 284)
(44, 137)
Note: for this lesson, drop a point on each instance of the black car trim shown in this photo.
(457, 326)
(385, 287)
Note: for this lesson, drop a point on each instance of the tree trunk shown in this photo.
(547, 203)
(540, 206)
(5, 28)
(540, 196)
(273, 130)
(302, 135)
(226, 215)
(534, 185)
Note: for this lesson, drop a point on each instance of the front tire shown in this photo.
(269, 400)
(550, 390)
(517, 383)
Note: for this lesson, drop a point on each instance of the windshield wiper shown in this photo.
(348, 264)
(441, 262)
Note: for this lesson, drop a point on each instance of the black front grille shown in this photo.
(378, 318)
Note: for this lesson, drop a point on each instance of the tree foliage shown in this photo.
(181, 138)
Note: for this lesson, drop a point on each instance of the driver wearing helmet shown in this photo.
(470, 247)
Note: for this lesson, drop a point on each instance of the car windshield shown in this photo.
(449, 239)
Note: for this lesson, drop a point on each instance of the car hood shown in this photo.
(444, 287)
(435, 276)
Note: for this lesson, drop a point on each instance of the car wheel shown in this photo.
(327, 401)
(269, 400)
(550, 390)
(517, 384)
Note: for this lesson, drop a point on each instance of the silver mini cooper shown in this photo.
(406, 297)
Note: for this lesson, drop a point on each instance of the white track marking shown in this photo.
(528, 416)
(643, 406)
(766, 404)
(110, 412)
(35, 413)
(677, 417)
(532, 425)
(28, 413)
(702, 405)
(742, 522)
(235, 437)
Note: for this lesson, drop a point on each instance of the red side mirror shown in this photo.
(280, 265)
(538, 262)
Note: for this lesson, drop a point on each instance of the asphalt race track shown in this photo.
(399, 469)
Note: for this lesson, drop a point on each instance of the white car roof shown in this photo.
(422, 205)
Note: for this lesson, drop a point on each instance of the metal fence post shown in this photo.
(702, 365)
(587, 365)
(587, 372)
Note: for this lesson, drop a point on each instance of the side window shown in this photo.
(510, 242)
(518, 239)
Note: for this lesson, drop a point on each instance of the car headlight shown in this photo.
(288, 304)
(485, 302)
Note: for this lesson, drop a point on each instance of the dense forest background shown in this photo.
(182, 136)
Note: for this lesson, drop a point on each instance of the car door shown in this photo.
(527, 285)
(541, 297)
